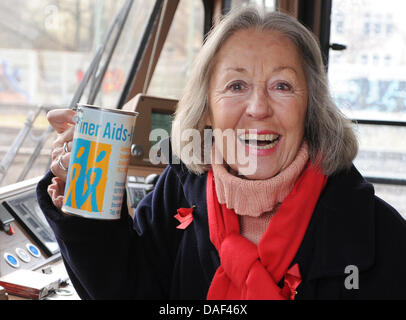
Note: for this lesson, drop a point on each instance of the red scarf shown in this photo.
(249, 271)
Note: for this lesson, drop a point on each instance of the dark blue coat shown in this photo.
(149, 258)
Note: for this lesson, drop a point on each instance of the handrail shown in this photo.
(140, 53)
(8, 159)
(91, 71)
(152, 57)
(119, 21)
(389, 181)
(380, 122)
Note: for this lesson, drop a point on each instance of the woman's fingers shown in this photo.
(70, 145)
(61, 119)
(56, 191)
(65, 136)
(60, 163)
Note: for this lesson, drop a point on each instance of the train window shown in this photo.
(369, 77)
(46, 47)
(179, 52)
(267, 5)
(368, 81)
(128, 41)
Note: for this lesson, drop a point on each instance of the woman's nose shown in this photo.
(259, 105)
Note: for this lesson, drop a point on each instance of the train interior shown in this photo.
(136, 55)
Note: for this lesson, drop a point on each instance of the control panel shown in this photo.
(31, 266)
(17, 248)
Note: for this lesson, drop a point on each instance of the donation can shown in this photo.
(98, 165)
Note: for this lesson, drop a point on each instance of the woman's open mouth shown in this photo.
(260, 143)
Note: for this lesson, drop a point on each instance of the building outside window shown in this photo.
(369, 82)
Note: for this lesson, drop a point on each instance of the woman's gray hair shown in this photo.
(329, 134)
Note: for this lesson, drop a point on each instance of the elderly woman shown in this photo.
(299, 222)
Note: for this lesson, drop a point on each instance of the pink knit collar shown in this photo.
(254, 197)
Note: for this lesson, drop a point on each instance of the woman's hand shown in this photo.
(62, 121)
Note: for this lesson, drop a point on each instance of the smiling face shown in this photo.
(258, 89)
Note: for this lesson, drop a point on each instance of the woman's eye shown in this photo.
(236, 86)
(283, 86)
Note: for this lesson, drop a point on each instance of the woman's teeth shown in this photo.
(259, 141)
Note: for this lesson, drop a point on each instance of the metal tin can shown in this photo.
(99, 161)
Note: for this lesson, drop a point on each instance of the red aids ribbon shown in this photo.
(185, 217)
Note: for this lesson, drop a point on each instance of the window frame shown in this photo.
(326, 47)
(153, 41)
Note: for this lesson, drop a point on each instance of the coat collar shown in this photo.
(341, 231)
